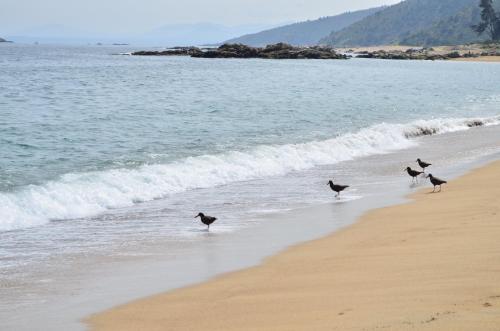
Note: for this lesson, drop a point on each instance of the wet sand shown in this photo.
(430, 264)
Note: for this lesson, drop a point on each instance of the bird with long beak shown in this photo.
(337, 188)
(207, 220)
(436, 182)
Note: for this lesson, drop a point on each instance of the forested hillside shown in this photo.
(413, 22)
(450, 31)
(304, 33)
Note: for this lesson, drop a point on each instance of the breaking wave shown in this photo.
(87, 194)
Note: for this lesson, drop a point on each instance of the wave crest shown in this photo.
(87, 194)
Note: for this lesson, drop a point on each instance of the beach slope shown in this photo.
(430, 264)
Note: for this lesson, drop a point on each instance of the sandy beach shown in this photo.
(479, 59)
(430, 264)
(475, 49)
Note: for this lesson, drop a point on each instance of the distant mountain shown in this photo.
(413, 22)
(304, 33)
(2, 40)
(197, 34)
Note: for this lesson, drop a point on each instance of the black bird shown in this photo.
(423, 164)
(413, 173)
(436, 182)
(207, 220)
(337, 188)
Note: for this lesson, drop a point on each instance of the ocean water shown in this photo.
(107, 155)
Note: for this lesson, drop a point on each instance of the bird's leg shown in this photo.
(439, 188)
(434, 190)
(208, 227)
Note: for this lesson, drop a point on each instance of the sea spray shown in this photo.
(86, 194)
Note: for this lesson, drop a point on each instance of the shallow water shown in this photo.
(106, 159)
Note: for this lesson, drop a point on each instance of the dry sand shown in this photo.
(479, 59)
(431, 264)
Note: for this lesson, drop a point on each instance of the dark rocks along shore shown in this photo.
(411, 54)
(184, 51)
(286, 51)
(276, 51)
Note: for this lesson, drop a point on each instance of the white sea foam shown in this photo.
(80, 195)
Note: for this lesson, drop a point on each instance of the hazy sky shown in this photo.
(135, 16)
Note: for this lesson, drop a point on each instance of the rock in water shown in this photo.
(410, 54)
(186, 51)
(275, 51)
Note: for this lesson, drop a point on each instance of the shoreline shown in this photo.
(362, 276)
(465, 53)
(114, 281)
(478, 59)
(281, 51)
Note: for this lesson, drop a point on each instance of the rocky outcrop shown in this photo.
(230, 51)
(286, 51)
(176, 51)
(412, 54)
(276, 51)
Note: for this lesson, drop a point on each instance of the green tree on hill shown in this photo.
(490, 20)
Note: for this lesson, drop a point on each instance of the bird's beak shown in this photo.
(196, 216)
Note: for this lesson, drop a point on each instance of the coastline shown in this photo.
(479, 59)
(427, 264)
(465, 53)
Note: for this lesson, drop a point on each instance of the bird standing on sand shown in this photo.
(337, 188)
(207, 220)
(436, 182)
(413, 173)
(423, 164)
